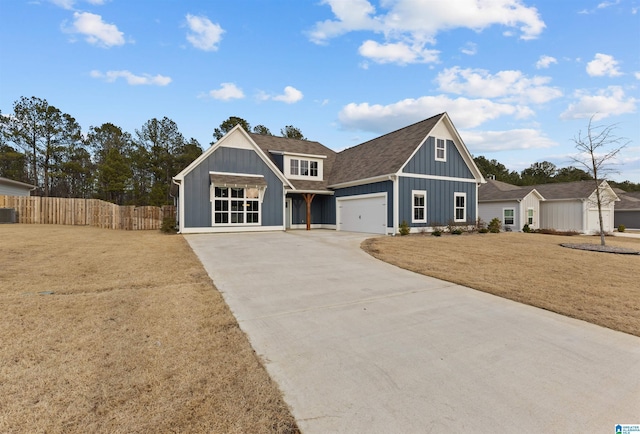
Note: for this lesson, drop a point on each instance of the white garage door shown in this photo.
(364, 213)
(593, 223)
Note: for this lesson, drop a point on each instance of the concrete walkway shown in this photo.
(360, 346)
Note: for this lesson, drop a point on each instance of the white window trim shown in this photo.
(415, 193)
(456, 195)
(260, 198)
(444, 149)
(504, 217)
(308, 160)
(533, 213)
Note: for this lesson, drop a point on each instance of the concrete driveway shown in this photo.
(360, 346)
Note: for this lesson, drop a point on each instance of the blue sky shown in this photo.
(519, 78)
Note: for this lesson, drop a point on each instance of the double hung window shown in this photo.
(530, 216)
(419, 207)
(509, 215)
(460, 207)
(441, 150)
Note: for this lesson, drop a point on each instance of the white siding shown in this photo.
(490, 210)
(530, 201)
(565, 215)
(12, 190)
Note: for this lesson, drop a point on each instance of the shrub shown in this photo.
(456, 231)
(494, 225)
(404, 228)
(483, 230)
(526, 228)
(436, 232)
(168, 225)
(621, 228)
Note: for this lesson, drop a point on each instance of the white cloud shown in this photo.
(227, 92)
(517, 139)
(413, 24)
(603, 64)
(290, 95)
(400, 53)
(96, 31)
(607, 4)
(204, 34)
(69, 4)
(468, 113)
(545, 61)
(509, 86)
(469, 49)
(606, 102)
(637, 75)
(351, 16)
(132, 79)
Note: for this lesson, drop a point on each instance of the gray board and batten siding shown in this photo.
(423, 162)
(323, 209)
(440, 199)
(197, 199)
(375, 187)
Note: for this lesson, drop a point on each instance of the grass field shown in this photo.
(600, 288)
(122, 332)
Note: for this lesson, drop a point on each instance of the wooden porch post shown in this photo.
(308, 198)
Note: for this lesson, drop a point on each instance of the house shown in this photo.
(627, 211)
(572, 206)
(515, 206)
(422, 174)
(9, 187)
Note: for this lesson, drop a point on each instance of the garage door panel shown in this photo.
(363, 214)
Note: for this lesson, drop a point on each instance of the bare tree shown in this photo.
(597, 151)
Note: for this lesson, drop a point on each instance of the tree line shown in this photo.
(42, 146)
(543, 172)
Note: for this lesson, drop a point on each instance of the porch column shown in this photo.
(308, 198)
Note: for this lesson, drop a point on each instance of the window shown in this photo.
(460, 207)
(294, 167)
(306, 168)
(530, 216)
(419, 207)
(441, 150)
(509, 216)
(236, 206)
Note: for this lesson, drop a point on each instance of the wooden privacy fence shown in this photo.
(85, 212)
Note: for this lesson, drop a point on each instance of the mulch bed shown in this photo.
(603, 249)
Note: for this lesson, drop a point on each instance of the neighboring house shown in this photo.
(515, 206)
(9, 187)
(572, 206)
(627, 211)
(422, 174)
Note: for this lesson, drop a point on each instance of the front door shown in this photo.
(287, 213)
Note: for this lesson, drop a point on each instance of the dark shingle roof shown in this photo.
(497, 190)
(381, 156)
(628, 201)
(283, 144)
(566, 190)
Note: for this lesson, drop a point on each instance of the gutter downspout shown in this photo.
(395, 202)
(180, 205)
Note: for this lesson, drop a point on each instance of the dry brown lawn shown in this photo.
(135, 338)
(601, 288)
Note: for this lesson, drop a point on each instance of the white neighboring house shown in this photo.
(572, 206)
(515, 206)
(9, 187)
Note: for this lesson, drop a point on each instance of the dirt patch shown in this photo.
(529, 268)
(114, 331)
